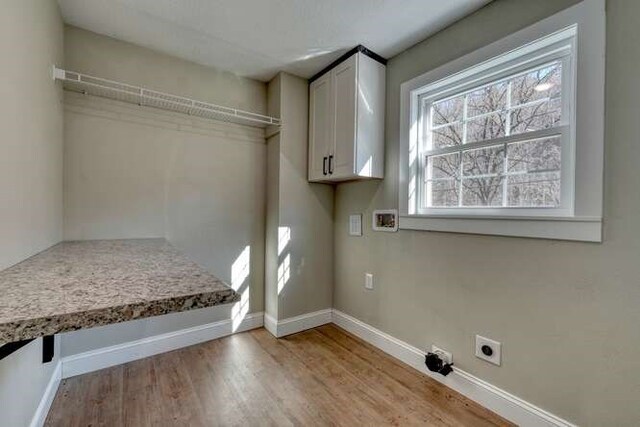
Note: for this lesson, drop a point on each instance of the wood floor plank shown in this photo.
(285, 396)
(320, 377)
(140, 390)
(212, 386)
(257, 403)
(71, 393)
(332, 408)
(419, 385)
(180, 403)
(370, 401)
(418, 411)
(107, 410)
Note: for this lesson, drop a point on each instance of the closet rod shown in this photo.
(91, 85)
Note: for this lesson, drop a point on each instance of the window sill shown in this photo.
(584, 229)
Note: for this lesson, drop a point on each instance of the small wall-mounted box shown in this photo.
(385, 220)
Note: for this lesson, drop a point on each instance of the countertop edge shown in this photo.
(49, 325)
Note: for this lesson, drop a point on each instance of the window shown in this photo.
(494, 142)
(500, 135)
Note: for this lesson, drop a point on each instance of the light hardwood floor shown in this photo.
(324, 376)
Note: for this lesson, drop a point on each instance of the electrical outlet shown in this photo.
(443, 354)
(368, 281)
(489, 350)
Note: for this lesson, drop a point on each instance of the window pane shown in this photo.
(444, 166)
(482, 191)
(443, 173)
(483, 171)
(487, 99)
(545, 82)
(483, 161)
(534, 173)
(539, 155)
(447, 111)
(539, 116)
(534, 190)
(486, 127)
(442, 193)
(446, 136)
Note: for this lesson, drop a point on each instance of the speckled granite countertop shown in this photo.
(76, 285)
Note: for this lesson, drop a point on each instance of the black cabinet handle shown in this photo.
(324, 165)
(331, 165)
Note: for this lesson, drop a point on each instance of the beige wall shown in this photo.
(566, 313)
(113, 59)
(302, 280)
(132, 171)
(31, 123)
(30, 173)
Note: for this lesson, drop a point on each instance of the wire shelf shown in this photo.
(96, 86)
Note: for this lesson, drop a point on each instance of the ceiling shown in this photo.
(258, 38)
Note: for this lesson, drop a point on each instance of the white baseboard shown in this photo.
(101, 358)
(271, 324)
(292, 325)
(499, 401)
(42, 410)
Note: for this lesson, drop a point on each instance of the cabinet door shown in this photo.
(321, 118)
(344, 82)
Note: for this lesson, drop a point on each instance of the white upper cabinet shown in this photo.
(346, 121)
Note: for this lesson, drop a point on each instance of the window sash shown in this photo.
(506, 110)
(504, 173)
(482, 74)
(426, 100)
(566, 193)
(564, 130)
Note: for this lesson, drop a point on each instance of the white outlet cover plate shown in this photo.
(446, 356)
(496, 357)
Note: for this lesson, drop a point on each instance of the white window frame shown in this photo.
(576, 36)
(559, 47)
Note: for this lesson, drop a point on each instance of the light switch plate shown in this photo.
(355, 225)
(368, 281)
